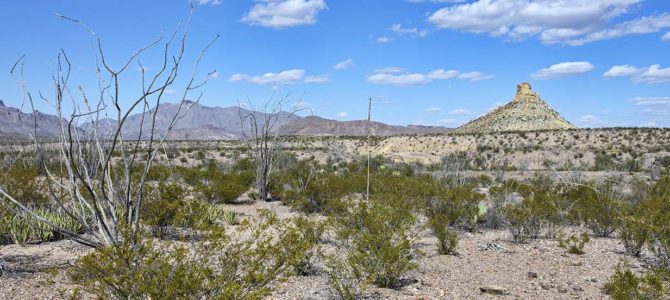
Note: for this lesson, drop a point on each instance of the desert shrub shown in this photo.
(21, 181)
(455, 206)
(344, 282)
(625, 285)
(523, 222)
(239, 265)
(378, 237)
(604, 162)
(312, 233)
(447, 240)
(215, 185)
(311, 189)
(633, 233)
(500, 196)
(574, 244)
(597, 206)
(166, 209)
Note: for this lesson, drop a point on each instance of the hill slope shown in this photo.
(526, 112)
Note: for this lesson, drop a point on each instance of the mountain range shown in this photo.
(201, 122)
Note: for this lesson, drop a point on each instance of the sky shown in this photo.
(600, 63)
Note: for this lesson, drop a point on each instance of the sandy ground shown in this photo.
(538, 270)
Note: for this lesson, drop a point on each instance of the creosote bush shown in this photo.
(625, 285)
(242, 264)
(574, 243)
(378, 239)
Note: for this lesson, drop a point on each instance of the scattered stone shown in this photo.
(493, 290)
(532, 275)
(545, 285)
(562, 290)
(576, 263)
(491, 247)
(578, 288)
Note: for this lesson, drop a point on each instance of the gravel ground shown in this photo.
(538, 270)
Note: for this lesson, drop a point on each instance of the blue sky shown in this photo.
(433, 62)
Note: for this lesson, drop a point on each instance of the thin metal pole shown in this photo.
(367, 192)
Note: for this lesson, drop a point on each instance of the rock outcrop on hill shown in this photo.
(526, 112)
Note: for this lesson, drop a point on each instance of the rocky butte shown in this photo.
(526, 112)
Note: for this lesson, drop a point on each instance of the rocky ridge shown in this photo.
(526, 112)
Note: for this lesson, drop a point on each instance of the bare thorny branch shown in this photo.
(91, 187)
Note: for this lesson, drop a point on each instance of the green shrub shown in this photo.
(456, 206)
(574, 244)
(344, 282)
(21, 181)
(447, 240)
(597, 206)
(633, 233)
(379, 240)
(243, 264)
(625, 285)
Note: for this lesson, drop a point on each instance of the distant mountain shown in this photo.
(15, 124)
(317, 126)
(213, 123)
(526, 112)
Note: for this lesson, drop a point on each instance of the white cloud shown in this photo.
(207, 2)
(435, 1)
(474, 76)
(666, 37)
(348, 63)
(415, 32)
(442, 74)
(399, 77)
(433, 109)
(281, 78)
(284, 13)
(564, 69)
(317, 79)
(621, 71)
(383, 40)
(652, 101)
(459, 112)
(572, 22)
(343, 114)
(389, 70)
(652, 74)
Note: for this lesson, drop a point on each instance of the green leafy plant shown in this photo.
(242, 264)
(625, 285)
(574, 244)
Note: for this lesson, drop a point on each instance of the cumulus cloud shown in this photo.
(383, 40)
(433, 109)
(621, 71)
(345, 64)
(317, 79)
(415, 32)
(399, 77)
(652, 74)
(564, 69)
(284, 13)
(652, 101)
(281, 78)
(666, 37)
(572, 22)
(343, 114)
(459, 112)
(207, 2)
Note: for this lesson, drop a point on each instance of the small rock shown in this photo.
(570, 283)
(545, 285)
(494, 290)
(594, 280)
(576, 263)
(578, 288)
(532, 275)
(562, 290)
